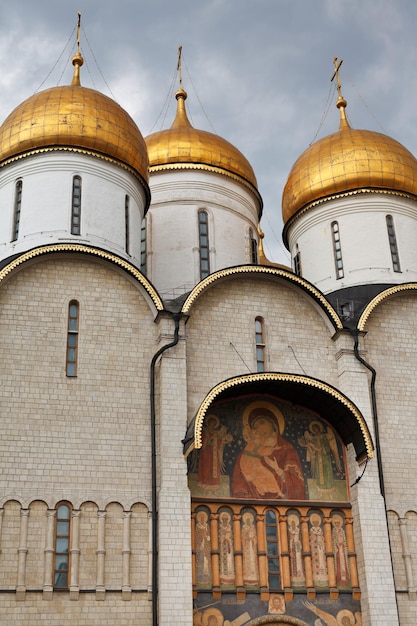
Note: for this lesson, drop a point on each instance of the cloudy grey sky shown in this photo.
(257, 72)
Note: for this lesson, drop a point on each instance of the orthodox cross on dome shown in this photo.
(179, 68)
(181, 119)
(341, 102)
(336, 75)
(77, 60)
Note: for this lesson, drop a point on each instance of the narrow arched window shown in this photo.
(253, 247)
(17, 209)
(127, 224)
(337, 249)
(62, 546)
(72, 338)
(297, 262)
(393, 244)
(203, 236)
(260, 344)
(272, 550)
(143, 251)
(76, 206)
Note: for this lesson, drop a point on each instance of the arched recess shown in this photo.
(317, 395)
(269, 488)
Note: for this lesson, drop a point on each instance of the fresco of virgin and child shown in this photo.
(268, 467)
(267, 449)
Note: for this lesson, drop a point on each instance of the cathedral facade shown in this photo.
(190, 433)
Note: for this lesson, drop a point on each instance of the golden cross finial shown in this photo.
(337, 65)
(341, 102)
(78, 31)
(77, 60)
(179, 68)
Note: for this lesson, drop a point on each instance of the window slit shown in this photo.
(72, 339)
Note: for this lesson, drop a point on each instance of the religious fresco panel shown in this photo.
(276, 611)
(263, 448)
(271, 516)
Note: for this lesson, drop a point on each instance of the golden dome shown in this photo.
(184, 147)
(76, 118)
(348, 160)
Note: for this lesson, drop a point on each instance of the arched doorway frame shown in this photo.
(331, 403)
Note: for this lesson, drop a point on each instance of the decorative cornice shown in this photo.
(268, 270)
(338, 196)
(274, 376)
(93, 153)
(82, 249)
(380, 298)
(207, 168)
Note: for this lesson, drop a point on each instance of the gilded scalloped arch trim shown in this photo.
(268, 270)
(392, 291)
(69, 247)
(237, 381)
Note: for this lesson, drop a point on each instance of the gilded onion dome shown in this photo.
(348, 160)
(74, 118)
(185, 147)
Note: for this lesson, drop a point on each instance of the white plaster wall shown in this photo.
(173, 250)
(364, 241)
(46, 203)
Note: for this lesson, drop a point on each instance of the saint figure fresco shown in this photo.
(210, 465)
(318, 551)
(202, 549)
(250, 550)
(340, 551)
(227, 556)
(296, 551)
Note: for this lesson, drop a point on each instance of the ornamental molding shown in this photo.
(93, 153)
(263, 270)
(392, 291)
(237, 381)
(82, 249)
(207, 168)
(338, 196)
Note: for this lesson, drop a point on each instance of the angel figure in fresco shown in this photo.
(210, 464)
(210, 617)
(344, 617)
(321, 446)
(268, 466)
(214, 617)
